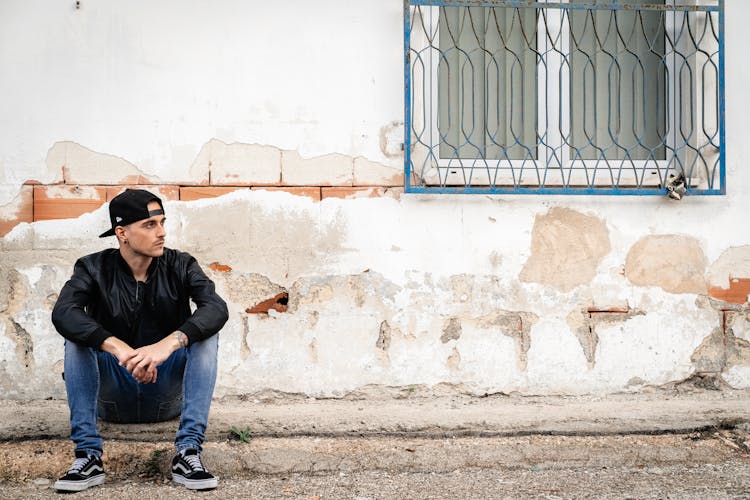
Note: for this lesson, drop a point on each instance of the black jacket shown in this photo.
(103, 299)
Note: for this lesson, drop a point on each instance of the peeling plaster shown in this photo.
(239, 164)
(315, 294)
(378, 331)
(451, 330)
(734, 262)
(244, 345)
(357, 290)
(584, 323)
(516, 325)
(247, 288)
(738, 339)
(384, 337)
(711, 356)
(673, 262)
(81, 165)
(729, 276)
(566, 249)
(283, 233)
(12, 209)
(16, 296)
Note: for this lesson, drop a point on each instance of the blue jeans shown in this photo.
(98, 386)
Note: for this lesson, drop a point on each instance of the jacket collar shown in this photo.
(124, 267)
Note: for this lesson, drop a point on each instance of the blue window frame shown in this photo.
(556, 97)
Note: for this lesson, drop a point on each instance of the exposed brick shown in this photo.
(20, 209)
(65, 202)
(310, 191)
(737, 293)
(196, 193)
(163, 192)
(595, 309)
(278, 303)
(218, 267)
(352, 192)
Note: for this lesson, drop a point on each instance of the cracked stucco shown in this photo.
(361, 313)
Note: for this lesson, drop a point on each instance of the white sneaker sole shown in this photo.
(196, 484)
(79, 485)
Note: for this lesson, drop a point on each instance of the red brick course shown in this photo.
(62, 200)
(164, 192)
(66, 202)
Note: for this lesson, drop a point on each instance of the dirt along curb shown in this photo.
(281, 435)
(48, 459)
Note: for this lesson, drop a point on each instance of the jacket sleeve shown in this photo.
(69, 314)
(211, 311)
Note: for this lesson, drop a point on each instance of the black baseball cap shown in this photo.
(131, 206)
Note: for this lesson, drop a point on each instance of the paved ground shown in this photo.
(666, 444)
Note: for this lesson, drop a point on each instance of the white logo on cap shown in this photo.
(118, 219)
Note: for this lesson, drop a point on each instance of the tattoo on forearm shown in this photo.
(181, 338)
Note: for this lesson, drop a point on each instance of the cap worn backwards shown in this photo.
(131, 206)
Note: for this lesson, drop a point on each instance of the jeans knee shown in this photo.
(206, 351)
(77, 354)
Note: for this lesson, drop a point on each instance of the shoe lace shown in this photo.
(194, 461)
(78, 465)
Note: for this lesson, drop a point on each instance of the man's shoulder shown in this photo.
(99, 257)
(175, 259)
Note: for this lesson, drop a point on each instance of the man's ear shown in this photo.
(120, 233)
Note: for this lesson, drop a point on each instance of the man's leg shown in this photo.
(82, 377)
(82, 386)
(198, 389)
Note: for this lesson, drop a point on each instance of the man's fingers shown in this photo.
(124, 360)
(145, 373)
(133, 361)
(140, 360)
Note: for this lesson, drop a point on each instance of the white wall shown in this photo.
(152, 81)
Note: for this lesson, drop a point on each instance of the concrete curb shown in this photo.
(414, 417)
(438, 434)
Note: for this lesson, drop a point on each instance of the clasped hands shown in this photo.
(141, 363)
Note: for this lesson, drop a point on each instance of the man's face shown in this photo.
(146, 237)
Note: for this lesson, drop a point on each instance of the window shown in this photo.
(552, 97)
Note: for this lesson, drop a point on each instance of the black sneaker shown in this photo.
(87, 470)
(188, 470)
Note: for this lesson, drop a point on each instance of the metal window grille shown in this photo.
(555, 97)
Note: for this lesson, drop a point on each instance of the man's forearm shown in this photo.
(116, 347)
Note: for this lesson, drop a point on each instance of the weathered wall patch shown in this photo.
(566, 249)
(673, 262)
